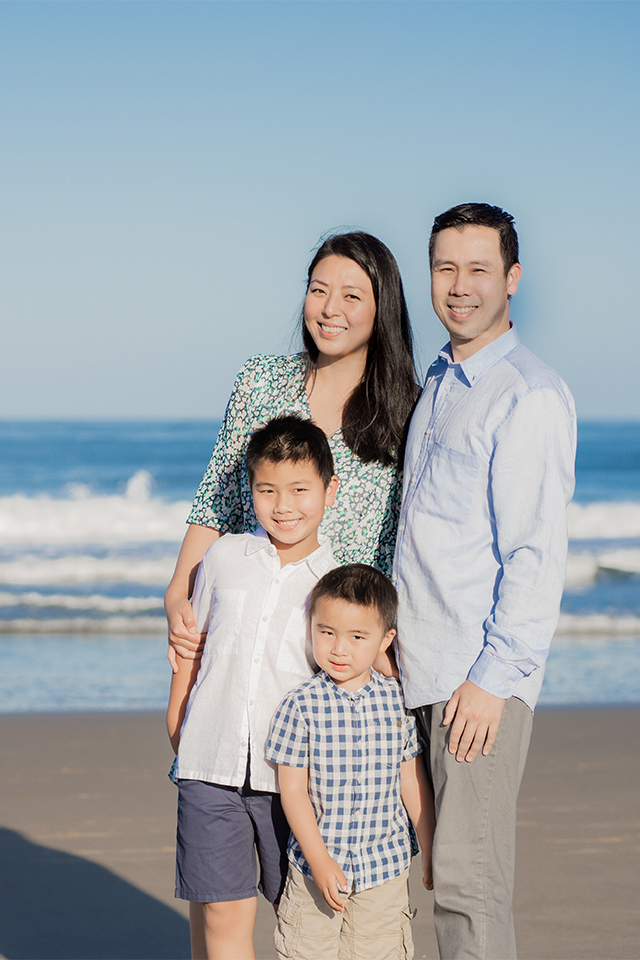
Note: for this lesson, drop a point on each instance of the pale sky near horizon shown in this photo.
(167, 169)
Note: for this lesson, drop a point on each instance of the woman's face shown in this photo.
(340, 308)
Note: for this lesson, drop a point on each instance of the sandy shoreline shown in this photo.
(87, 829)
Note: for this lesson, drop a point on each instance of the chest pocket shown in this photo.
(295, 656)
(226, 617)
(388, 741)
(448, 484)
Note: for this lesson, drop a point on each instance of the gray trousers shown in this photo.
(474, 843)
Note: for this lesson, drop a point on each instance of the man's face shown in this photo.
(469, 289)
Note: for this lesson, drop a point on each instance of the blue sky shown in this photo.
(167, 168)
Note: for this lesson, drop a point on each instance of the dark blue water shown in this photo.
(45, 456)
(608, 461)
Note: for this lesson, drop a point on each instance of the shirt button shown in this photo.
(429, 432)
(276, 581)
(256, 659)
(394, 579)
(447, 388)
(264, 619)
(243, 743)
(509, 683)
(414, 479)
(250, 703)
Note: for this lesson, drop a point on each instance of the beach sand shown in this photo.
(87, 821)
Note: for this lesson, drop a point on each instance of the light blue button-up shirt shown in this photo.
(482, 541)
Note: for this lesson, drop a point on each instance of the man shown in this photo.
(479, 568)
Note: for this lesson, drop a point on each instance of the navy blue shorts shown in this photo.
(220, 830)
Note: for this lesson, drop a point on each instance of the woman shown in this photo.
(356, 379)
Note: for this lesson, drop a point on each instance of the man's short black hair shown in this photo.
(290, 438)
(362, 585)
(480, 215)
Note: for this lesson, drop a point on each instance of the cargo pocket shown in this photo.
(406, 938)
(287, 932)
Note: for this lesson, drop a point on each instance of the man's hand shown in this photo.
(184, 639)
(476, 716)
(328, 878)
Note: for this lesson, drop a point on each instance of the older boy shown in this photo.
(347, 757)
(250, 595)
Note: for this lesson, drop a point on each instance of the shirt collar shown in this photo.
(319, 561)
(478, 364)
(351, 694)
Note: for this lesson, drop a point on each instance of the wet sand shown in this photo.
(87, 829)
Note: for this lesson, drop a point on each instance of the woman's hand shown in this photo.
(184, 639)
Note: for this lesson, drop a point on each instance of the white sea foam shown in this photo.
(598, 623)
(626, 561)
(96, 602)
(113, 625)
(85, 518)
(583, 568)
(606, 520)
(40, 571)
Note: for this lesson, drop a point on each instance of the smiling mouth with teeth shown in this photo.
(329, 329)
(462, 311)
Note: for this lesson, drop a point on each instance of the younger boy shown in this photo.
(250, 595)
(348, 765)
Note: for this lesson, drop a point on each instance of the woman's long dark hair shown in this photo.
(375, 416)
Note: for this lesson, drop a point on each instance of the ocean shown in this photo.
(92, 514)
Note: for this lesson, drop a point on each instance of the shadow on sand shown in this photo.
(56, 906)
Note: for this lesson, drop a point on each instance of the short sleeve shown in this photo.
(288, 742)
(202, 598)
(218, 501)
(412, 743)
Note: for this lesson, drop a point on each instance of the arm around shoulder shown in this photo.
(185, 640)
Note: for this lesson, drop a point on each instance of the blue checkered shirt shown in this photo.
(353, 743)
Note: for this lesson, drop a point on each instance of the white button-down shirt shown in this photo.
(482, 540)
(258, 647)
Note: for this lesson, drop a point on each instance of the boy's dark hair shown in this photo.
(362, 585)
(290, 438)
(480, 215)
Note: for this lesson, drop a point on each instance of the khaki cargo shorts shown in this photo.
(375, 925)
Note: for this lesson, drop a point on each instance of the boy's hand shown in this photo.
(184, 639)
(427, 869)
(329, 878)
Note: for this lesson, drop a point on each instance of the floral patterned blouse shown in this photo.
(363, 521)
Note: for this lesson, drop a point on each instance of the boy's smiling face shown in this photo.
(347, 638)
(289, 500)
